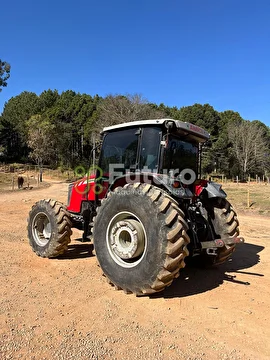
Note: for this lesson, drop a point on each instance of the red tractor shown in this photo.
(145, 207)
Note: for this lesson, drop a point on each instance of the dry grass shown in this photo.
(5, 179)
(8, 181)
(258, 195)
(8, 178)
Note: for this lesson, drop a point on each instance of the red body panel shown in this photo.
(86, 189)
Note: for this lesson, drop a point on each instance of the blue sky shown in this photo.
(177, 52)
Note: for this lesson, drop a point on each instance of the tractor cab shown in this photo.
(163, 152)
(163, 148)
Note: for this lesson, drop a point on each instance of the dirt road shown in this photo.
(64, 309)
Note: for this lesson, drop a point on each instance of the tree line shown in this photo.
(60, 130)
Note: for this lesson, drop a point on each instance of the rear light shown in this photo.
(176, 184)
(198, 189)
(199, 186)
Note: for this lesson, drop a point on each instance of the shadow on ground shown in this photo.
(194, 280)
(77, 251)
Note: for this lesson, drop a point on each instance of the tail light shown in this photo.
(199, 186)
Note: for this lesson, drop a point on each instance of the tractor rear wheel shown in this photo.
(49, 228)
(225, 225)
(140, 238)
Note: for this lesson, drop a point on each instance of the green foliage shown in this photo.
(13, 123)
(19, 108)
(202, 115)
(61, 129)
(73, 115)
(47, 99)
(41, 139)
(221, 146)
(4, 73)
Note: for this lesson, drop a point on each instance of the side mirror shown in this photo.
(169, 125)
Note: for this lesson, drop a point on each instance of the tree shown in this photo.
(249, 147)
(224, 159)
(73, 117)
(4, 73)
(41, 140)
(208, 118)
(202, 115)
(8, 139)
(47, 99)
(117, 109)
(13, 123)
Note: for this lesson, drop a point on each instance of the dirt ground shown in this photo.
(64, 308)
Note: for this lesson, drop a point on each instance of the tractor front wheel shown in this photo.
(140, 238)
(49, 228)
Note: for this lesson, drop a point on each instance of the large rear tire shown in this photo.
(49, 228)
(140, 238)
(225, 225)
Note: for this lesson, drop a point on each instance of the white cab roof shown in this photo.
(181, 125)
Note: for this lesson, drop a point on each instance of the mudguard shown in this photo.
(161, 181)
(214, 190)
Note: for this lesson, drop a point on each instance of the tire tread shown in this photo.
(177, 238)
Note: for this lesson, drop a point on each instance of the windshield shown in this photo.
(180, 155)
(119, 148)
(150, 148)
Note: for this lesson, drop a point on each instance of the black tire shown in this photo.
(225, 224)
(140, 238)
(49, 228)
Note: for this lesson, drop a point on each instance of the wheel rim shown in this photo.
(126, 239)
(41, 229)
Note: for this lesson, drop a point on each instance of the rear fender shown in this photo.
(133, 178)
(161, 181)
(213, 190)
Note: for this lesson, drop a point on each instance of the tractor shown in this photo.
(144, 206)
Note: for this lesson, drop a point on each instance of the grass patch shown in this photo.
(8, 180)
(259, 197)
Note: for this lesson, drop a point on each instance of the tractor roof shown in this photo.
(181, 126)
